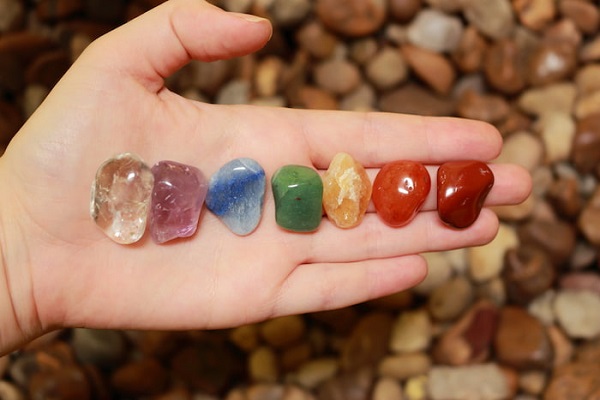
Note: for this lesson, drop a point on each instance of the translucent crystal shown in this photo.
(177, 199)
(121, 197)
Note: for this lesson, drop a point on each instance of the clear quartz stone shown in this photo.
(121, 196)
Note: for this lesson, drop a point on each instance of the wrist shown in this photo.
(16, 299)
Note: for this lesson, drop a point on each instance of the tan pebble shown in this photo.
(589, 223)
(387, 68)
(294, 356)
(516, 212)
(469, 53)
(587, 105)
(262, 391)
(482, 381)
(337, 76)
(493, 290)
(562, 346)
(557, 131)
(289, 12)
(583, 13)
(414, 99)
(268, 76)
(542, 307)
(283, 331)
(316, 40)
(236, 91)
(580, 378)
(493, 18)
(346, 191)
(450, 299)
(360, 99)
(404, 366)
(587, 79)
(314, 372)
(486, 261)
(435, 30)
(576, 311)
(535, 14)
(411, 332)
(432, 67)
(558, 97)
(439, 271)
(512, 151)
(489, 108)
(295, 393)
(245, 337)
(262, 365)
(363, 50)
(387, 389)
(415, 388)
(353, 18)
(9, 391)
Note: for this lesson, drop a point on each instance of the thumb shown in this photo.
(159, 42)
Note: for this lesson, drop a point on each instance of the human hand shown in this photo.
(60, 270)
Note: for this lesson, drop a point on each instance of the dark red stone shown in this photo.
(399, 191)
(461, 191)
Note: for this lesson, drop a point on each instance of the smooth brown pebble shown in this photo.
(521, 340)
(352, 18)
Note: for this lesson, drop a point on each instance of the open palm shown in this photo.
(60, 270)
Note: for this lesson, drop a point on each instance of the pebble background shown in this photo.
(518, 318)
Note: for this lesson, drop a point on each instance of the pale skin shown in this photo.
(59, 270)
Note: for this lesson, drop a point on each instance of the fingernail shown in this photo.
(249, 17)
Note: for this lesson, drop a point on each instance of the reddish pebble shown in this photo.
(399, 191)
(461, 191)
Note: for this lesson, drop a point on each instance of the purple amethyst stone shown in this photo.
(177, 198)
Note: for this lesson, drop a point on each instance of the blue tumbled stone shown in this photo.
(236, 194)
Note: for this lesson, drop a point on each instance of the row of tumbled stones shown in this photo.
(126, 193)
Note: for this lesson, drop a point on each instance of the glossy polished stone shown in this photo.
(121, 196)
(177, 198)
(298, 193)
(236, 194)
(399, 191)
(346, 191)
(462, 187)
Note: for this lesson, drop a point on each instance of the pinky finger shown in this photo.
(327, 286)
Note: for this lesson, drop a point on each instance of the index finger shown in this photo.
(377, 138)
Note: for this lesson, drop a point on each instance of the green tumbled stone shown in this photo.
(298, 193)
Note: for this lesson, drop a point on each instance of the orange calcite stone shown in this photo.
(346, 191)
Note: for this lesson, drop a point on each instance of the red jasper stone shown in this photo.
(462, 187)
(399, 191)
